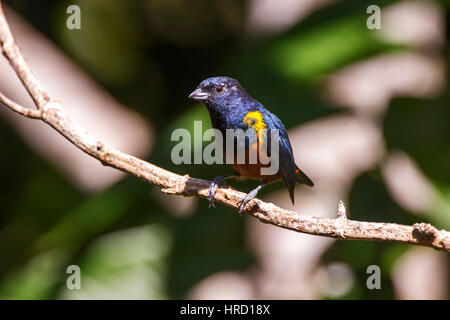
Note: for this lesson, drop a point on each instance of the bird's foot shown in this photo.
(211, 192)
(245, 200)
(214, 185)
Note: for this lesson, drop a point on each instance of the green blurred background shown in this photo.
(150, 55)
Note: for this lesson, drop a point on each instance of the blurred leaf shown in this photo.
(313, 53)
(440, 210)
(420, 128)
(128, 264)
(90, 218)
(210, 241)
(391, 255)
(108, 40)
(36, 280)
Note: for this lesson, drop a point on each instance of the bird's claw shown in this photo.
(211, 192)
(245, 200)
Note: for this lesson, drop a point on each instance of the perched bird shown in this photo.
(231, 107)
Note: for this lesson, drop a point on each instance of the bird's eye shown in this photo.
(219, 89)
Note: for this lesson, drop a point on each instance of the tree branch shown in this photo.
(29, 113)
(51, 112)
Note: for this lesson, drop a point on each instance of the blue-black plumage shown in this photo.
(231, 107)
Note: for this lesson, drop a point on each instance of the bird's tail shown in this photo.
(302, 178)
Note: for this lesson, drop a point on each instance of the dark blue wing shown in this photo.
(288, 167)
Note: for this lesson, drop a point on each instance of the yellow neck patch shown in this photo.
(254, 119)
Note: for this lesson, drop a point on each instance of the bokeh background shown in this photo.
(367, 112)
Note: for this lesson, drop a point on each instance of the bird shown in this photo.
(231, 107)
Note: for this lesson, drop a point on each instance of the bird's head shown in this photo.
(218, 91)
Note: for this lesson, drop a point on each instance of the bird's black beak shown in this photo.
(199, 95)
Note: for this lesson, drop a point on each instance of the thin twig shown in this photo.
(12, 52)
(52, 113)
(29, 113)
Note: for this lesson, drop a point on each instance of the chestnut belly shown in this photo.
(253, 171)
